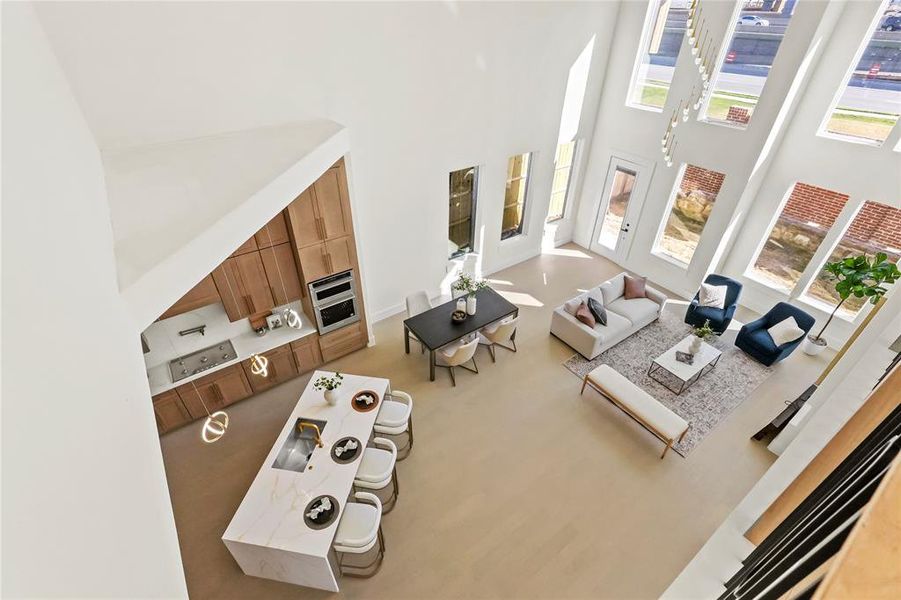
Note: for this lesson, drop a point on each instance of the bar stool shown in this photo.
(396, 418)
(377, 470)
(358, 532)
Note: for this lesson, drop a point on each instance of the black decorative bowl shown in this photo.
(347, 455)
(324, 518)
(458, 316)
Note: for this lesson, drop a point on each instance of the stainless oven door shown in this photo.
(337, 314)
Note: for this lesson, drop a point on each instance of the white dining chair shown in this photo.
(358, 532)
(456, 355)
(396, 418)
(377, 470)
(418, 302)
(500, 334)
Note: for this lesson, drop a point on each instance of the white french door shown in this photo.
(624, 191)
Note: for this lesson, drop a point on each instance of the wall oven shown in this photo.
(334, 301)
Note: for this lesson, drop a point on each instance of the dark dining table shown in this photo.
(435, 329)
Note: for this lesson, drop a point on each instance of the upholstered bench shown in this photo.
(638, 404)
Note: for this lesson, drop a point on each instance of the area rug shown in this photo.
(708, 401)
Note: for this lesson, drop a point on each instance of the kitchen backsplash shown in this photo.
(165, 343)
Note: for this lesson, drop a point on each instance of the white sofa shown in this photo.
(624, 317)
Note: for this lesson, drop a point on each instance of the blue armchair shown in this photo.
(754, 339)
(719, 317)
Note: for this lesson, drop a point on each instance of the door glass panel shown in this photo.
(620, 191)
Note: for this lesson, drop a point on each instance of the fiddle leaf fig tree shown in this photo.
(860, 277)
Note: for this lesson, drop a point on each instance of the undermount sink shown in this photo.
(299, 446)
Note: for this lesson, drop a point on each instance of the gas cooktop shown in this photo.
(202, 360)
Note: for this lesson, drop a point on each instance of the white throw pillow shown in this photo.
(712, 295)
(785, 331)
(571, 306)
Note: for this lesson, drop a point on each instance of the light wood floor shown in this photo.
(517, 486)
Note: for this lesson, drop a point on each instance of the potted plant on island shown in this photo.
(700, 333)
(856, 276)
(330, 386)
(468, 286)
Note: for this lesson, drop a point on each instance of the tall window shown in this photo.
(739, 81)
(563, 163)
(796, 235)
(661, 40)
(515, 195)
(876, 228)
(461, 226)
(870, 102)
(690, 207)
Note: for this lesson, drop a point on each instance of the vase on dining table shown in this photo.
(471, 304)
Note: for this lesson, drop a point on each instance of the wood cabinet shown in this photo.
(273, 233)
(306, 353)
(314, 262)
(340, 254)
(343, 341)
(202, 294)
(322, 211)
(282, 273)
(248, 246)
(244, 286)
(217, 390)
(331, 200)
(170, 411)
(281, 368)
(303, 220)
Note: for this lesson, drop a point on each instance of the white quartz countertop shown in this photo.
(272, 512)
(166, 344)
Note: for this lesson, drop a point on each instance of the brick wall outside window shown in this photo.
(696, 178)
(738, 114)
(875, 223)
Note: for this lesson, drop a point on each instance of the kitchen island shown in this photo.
(269, 536)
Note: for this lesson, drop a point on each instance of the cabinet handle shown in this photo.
(320, 228)
(250, 305)
(217, 392)
(328, 256)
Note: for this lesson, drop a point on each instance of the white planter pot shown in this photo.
(461, 304)
(471, 305)
(331, 396)
(812, 348)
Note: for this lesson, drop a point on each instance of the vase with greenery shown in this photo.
(468, 286)
(857, 276)
(700, 334)
(330, 386)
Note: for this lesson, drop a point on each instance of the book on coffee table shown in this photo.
(685, 357)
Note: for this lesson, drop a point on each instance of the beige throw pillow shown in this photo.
(712, 295)
(785, 331)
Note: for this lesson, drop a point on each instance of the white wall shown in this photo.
(86, 511)
(422, 88)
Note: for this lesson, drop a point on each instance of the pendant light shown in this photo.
(214, 427)
(259, 365)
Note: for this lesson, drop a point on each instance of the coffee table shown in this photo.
(704, 362)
